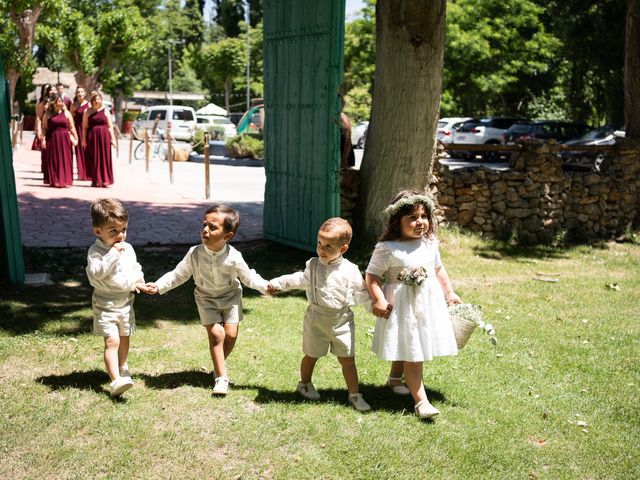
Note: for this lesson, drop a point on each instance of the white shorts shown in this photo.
(328, 329)
(113, 317)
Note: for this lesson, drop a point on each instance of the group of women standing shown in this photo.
(85, 129)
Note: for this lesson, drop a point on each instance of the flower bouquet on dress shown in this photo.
(465, 317)
(412, 275)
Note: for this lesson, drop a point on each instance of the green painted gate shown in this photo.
(303, 63)
(11, 260)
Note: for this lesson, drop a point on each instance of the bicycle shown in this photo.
(156, 144)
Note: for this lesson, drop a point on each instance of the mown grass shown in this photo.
(558, 399)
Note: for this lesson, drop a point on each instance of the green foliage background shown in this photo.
(536, 58)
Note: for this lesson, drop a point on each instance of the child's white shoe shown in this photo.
(119, 386)
(397, 389)
(221, 386)
(308, 391)
(425, 410)
(357, 401)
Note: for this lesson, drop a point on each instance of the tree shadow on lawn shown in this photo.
(88, 380)
(501, 250)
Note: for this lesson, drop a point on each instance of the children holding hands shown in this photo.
(333, 284)
(114, 273)
(413, 323)
(406, 285)
(217, 269)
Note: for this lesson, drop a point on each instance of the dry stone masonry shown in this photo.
(536, 201)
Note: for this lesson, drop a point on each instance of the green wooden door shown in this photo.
(303, 63)
(11, 260)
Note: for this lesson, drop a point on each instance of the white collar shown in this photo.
(335, 262)
(215, 254)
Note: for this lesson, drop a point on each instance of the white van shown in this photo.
(182, 118)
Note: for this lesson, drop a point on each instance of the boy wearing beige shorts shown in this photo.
(333, 284)
(115, 274)
(217, 270)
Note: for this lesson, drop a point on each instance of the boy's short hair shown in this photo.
(340, 225)
(231, 216)
(108, 210)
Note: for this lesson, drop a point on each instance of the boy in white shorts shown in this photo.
(333, 284)
(217, 270)
(114, 273)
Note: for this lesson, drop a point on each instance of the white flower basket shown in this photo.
(465, 317)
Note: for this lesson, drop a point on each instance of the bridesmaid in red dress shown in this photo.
(97, 137)
(59, 137)
(41, 106)
(78, 108)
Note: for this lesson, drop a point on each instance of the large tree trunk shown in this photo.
(632, 70)
(25, 22)
(406, 103)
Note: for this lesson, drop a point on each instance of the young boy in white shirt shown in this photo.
(217, 270)
(115, 274)
(333, 284)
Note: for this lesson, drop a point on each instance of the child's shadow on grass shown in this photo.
(89, 380)
(171, 380)
(379, 397)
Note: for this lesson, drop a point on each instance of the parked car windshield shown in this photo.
(598, 133)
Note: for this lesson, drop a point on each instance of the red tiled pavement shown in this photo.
(160, 212)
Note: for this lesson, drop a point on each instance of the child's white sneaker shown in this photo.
(124, 371)
(357, 401)
(221, 386)
(119, 386)
(425, 410)
(308, 391)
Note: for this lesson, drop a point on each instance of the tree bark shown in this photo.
(25, 22)
(632, 71)
(406, 102)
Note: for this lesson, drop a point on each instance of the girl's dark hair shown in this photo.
(45, 91)
(392, 229)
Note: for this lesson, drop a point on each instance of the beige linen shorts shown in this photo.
(210, 315)
(327, 329)
(113, 317)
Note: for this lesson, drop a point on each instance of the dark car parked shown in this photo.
(544, 130)
(590, 161)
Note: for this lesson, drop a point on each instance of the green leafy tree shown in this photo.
(359, 63)
(18, 21)
(498, 56)
(228, 14)
(176, 24)
(103, 37)
(221, 64)
(592, 34)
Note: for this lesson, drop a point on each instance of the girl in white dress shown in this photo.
(410, 289)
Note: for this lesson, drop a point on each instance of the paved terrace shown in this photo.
(160, 212)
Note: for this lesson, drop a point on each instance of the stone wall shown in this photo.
(537, 201)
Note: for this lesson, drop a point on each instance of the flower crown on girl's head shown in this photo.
(411, 200)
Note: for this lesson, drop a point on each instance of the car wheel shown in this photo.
(597, 162)
(361, 141)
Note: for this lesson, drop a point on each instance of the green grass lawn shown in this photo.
(558, 399)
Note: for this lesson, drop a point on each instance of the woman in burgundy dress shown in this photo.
(78, 107)
(41, 106)
(59, 137)
(97, 137)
